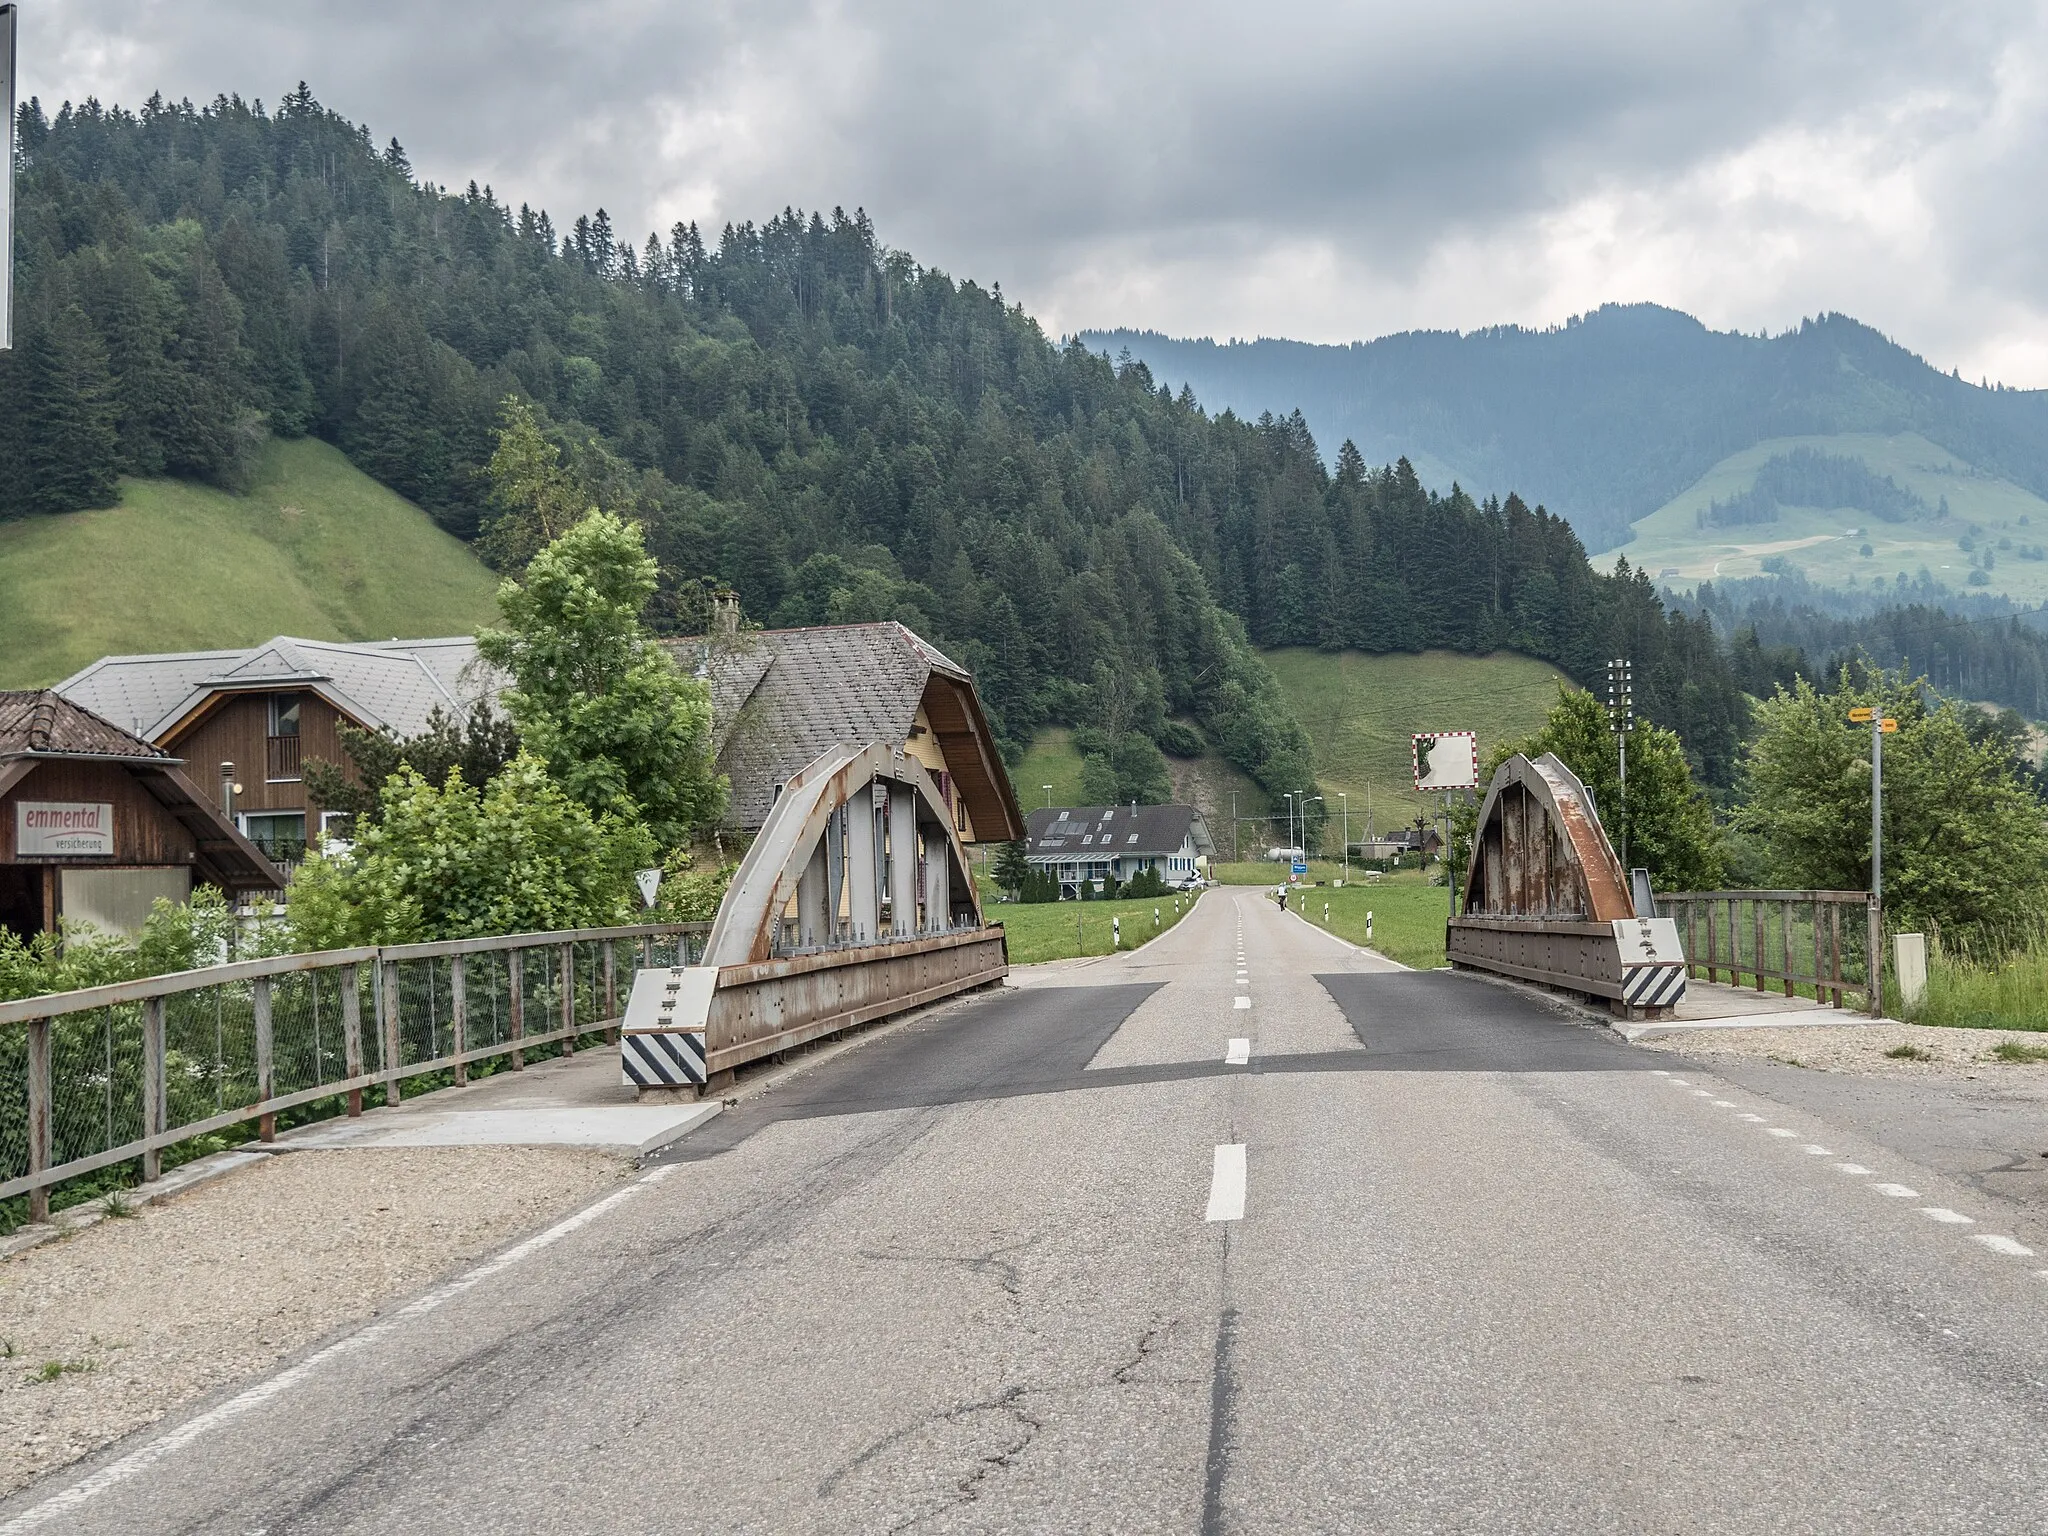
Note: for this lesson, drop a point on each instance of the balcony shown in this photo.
(281, 759)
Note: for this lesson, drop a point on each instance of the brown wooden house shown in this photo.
(96, 824)
(247, 720)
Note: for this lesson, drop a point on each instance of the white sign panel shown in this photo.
(1648, 941)
(7, 177)
(62, 829)
(1446, 760)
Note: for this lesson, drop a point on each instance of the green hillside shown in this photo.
(316, 548)
(1827, 543)
(1360, 710)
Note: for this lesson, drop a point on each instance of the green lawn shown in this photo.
(1066, 930)
(316, 548)
(1672, 547)
(1051, 759)
(1407, 917)
(1361, 710)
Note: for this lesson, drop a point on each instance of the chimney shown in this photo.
(725, 613)
(227, 788)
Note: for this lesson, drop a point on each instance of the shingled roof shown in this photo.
(43, 723)
(395, 684)
(780, 697)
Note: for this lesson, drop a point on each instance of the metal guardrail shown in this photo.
(1815, 949)
(108, 1074)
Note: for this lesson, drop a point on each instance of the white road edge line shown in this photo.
(2010, 1247)
(1226, 1184)
(1852, 1168)
(1897, 1191)
(138, 1461)
(1779, 1130)
(1239, 1054)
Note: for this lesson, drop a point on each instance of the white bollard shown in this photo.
(1326, 914)
(1368, 925)
(1155, 917)
(1116, 933)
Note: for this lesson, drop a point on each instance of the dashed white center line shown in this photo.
(1897, 1191)
(1779, 1130)
(2005, 1245)
(1813, 1151)
(1753, 1119)
(1856, 1169)
(1679, 1082)
(1239, 1054)
(1702, 1093)
(1243, 1002)
(1724, 1104)
(1951, 1218)
(1226, 1184)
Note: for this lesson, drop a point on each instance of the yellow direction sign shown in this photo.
(1862, 716)
(1889, 726)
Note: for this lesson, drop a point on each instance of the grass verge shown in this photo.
(2011, 993)
(1067, 930)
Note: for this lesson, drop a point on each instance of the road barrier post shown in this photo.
(458, 1014)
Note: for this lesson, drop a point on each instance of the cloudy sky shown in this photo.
(1325, 171)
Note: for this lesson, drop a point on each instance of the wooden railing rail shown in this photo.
(1795, 939)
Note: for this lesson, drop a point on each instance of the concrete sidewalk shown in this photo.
(1716, 1005)
(575, 1101)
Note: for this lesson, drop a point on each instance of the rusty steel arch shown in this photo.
(1540, 850)
(855, 901)
(1545, 899)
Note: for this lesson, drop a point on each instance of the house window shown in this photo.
(280, 834)
(1133, 837)
(281, 749)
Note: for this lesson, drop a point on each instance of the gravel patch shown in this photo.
(1862, 1049)
(109, 1330)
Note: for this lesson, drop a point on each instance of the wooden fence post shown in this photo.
(458, 1013)
(39, 1115)
(1835, 950)
(515, 970)
(352, 1034)
(1785, 941)
(266, 1072)
(1873, 957)
(392, 1092)
(1756, 918)
(568, 976)
(155, 1112)
(611, 991)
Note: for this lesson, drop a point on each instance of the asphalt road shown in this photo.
(1431, 1257)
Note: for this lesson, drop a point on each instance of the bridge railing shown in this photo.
(110, 1074)
(1821, 944)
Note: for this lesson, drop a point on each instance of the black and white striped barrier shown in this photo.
(1652, 962)
(1652, 986)
(662, 1043)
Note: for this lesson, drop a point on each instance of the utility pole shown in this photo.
(1233, 827)
(1881, 726)
(1344, 800)
(7, 178)
(1621, 719)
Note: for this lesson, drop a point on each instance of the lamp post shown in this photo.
(1048, 795)
(1344, 799)
(1306, 799)
(1288, 796)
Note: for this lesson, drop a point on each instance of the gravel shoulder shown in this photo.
(1861, 1049)
(109, 1330)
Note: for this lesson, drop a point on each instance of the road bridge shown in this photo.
(1381, 1251)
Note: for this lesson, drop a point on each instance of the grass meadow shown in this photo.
(315, 548)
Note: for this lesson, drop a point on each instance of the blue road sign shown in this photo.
(1300, 868)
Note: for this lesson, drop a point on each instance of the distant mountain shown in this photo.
(1604, 419)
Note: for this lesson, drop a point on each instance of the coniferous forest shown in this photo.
(792, 409)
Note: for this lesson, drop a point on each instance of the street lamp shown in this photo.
(1345, 800)
(1048, 795)
(1306, 800)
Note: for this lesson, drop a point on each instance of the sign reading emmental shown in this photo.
(61, 829)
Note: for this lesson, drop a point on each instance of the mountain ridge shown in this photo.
(1608, 416)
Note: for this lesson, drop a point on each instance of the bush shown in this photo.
(1180, 739)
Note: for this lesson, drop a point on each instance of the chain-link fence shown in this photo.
(118, 1073)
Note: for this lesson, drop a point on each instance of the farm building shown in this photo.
(96, 824)
(1100, 844)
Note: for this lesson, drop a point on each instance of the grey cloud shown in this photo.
(1047, 145)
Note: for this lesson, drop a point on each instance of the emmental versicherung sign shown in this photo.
(61, 829)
